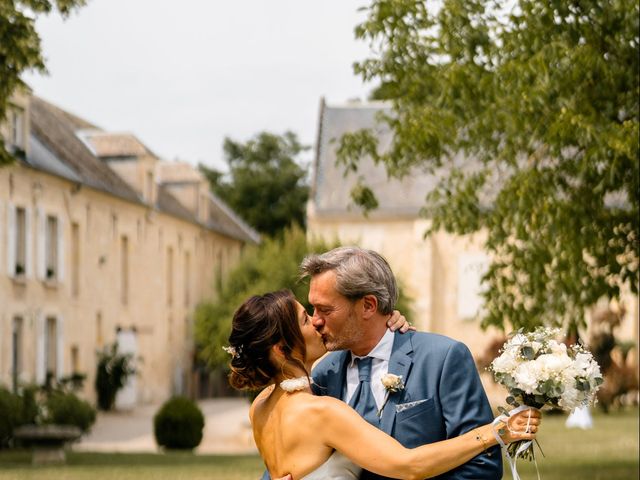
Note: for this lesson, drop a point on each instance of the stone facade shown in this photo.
(93, 242)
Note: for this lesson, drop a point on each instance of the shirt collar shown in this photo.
(382, 351)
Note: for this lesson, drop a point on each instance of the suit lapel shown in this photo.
(337, 373)
(399, 364)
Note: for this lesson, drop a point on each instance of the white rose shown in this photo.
(551, 364)
(518, 339)
(558, 348)
(526, 376)
(505, 363)
(570, 398)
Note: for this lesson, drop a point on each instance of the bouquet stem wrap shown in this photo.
(523, 446)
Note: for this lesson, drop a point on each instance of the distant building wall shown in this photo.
(118, 262)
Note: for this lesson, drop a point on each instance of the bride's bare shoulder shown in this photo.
(260, 399)
(315, 409)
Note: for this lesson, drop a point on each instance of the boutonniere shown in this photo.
(392, 384)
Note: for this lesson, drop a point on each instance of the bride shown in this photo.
(273, 344)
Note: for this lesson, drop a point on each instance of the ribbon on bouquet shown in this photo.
(523, 446)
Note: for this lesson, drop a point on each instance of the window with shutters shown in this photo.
(169, 281)
(51, 348)
(124, 270)
(20, 263)
(187, 279)
(75, 260)
(51, 248)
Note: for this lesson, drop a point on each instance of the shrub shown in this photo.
(178, 424)
(112, 372)
(65, 408)
(10, 415)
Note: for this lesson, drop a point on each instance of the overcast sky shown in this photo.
(182, 75)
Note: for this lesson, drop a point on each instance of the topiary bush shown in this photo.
(178, 424)
(65, 408)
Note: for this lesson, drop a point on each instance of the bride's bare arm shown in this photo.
(343, 429)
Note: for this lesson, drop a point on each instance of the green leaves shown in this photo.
(527, 353)
(271, 266)
(266, 185)
(541, 99)
(20, 48)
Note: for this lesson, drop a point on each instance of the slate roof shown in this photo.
(67, 146)
(331, 188)
(221, 217)
(59, 151)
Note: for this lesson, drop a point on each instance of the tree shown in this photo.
(265, 184)
(540, 97)
(273, 265)
(20, 48)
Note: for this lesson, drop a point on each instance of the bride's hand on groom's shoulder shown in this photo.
(399, 322)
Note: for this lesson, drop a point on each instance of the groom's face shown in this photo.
(335, 317)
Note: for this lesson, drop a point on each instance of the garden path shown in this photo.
(227, 429)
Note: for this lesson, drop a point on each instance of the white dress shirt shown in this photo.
(379, 367)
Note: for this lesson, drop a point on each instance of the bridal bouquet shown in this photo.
(539, 371)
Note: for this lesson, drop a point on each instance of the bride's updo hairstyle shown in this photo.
(260, 323)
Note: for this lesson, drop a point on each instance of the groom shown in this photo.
(353, 292)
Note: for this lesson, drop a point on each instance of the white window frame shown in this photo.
(12, 242)
(41, 347)
(42, 247)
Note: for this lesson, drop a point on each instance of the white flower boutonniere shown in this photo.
(392, 384)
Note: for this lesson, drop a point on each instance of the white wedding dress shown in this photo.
(337, 467)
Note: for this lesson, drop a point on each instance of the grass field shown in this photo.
(607, 452)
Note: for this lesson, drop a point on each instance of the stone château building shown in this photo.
(103, 242)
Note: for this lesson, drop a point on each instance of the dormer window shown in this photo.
(16, 139)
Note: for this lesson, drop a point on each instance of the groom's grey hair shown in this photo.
(359, 272)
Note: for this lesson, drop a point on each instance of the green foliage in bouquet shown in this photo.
(178, 424)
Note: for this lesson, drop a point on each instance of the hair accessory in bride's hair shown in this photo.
(233, 351)
(295, 384)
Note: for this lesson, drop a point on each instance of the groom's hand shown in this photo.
(399, 322)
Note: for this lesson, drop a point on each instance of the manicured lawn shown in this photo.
(98, 466)
(607, 452)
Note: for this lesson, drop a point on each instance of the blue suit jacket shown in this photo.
(440, 376)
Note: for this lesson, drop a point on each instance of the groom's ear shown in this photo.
(369, 306)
